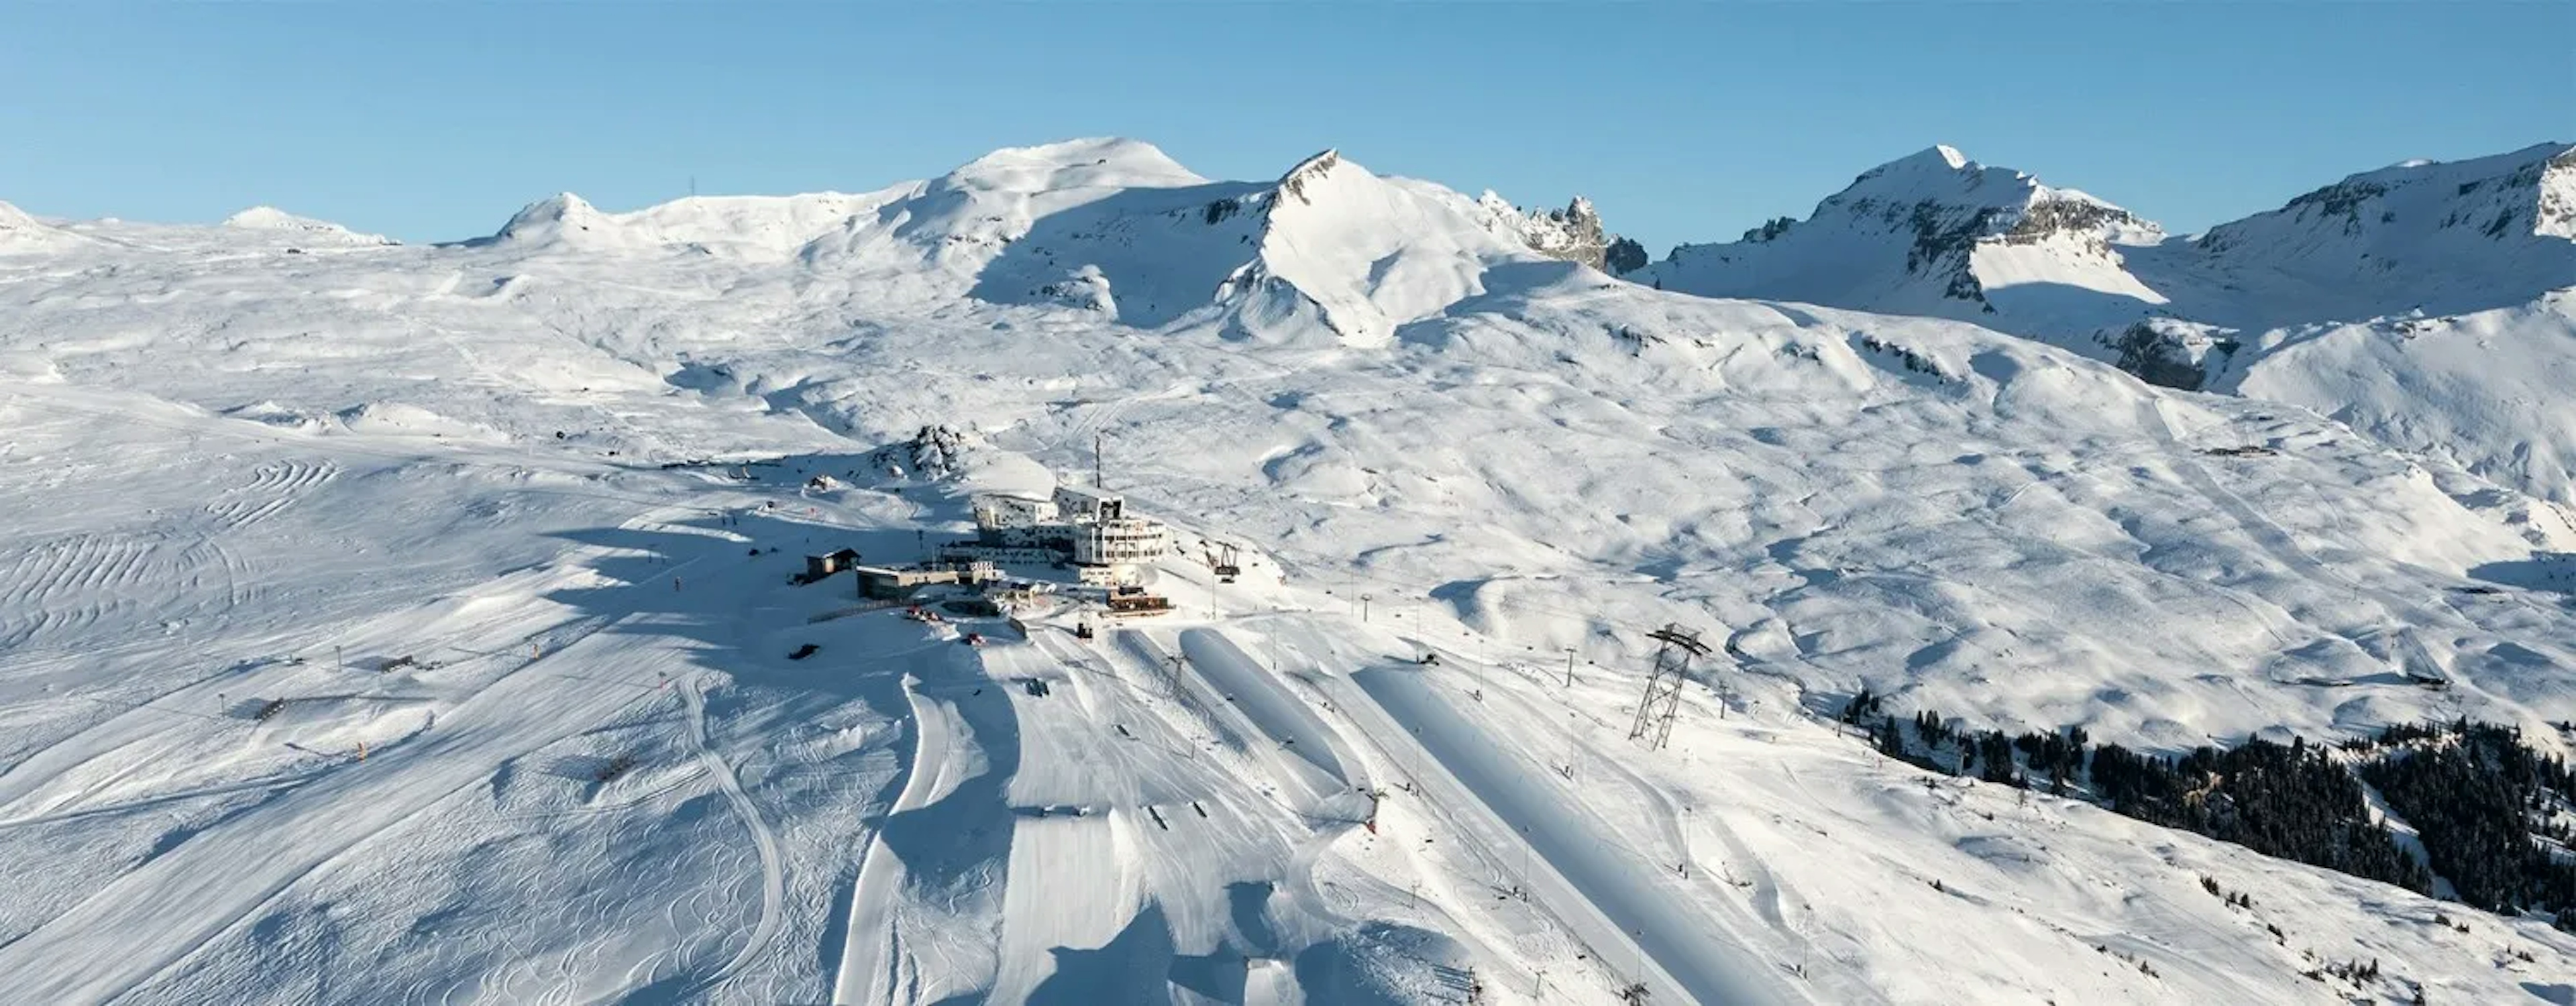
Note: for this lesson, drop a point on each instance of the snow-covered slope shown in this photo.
(2394, 251)
(1329, 248)
(1109, 226)
(23, 234)
(2484, 390)
(2436, 237)
(754, 228)
(1573, 233)
(1936, 234)
(461, 663)
(1364, 254)
(305, 229)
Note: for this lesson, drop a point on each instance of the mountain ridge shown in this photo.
(555, 495)
(2465, 235)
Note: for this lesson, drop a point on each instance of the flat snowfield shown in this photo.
(386, 624)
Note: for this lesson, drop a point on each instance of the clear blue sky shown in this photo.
(1683, 121)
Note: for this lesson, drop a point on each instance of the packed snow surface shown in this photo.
(413, 623)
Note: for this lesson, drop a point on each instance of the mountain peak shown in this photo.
(1573, 234)
(1307, 172)
(1932, 232)
(265, 218)
(2460, 232)
(555, 217)
(20, 232)
(1938, 166)
(1086, 163)
(270, 218)
(557, 207)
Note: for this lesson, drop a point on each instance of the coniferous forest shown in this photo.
(2496, 817)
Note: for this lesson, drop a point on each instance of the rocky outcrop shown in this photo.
(1623, 256)
(2461, 234)
(2172, 352)
(1929, 233)
(1573, 234)
(1293, 184)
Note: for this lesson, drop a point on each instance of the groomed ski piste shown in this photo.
(401, 624)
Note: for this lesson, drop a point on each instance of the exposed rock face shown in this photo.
(2174, 353)
(2556, 216)
(2057, 215)
(938, 451)
(1769, 230)
(1086, 289)
(1573, 234)
(1115, 229)
(2499, 222)
(1930, 233)
(1293, 184)
(1625, 255)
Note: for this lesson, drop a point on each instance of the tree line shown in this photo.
(2496, 816)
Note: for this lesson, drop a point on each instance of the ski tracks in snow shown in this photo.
(170, 908)
(1599, 894)
(271, 488)
(870, 946)
(773, 871)
(2408, 649)
(69, 584)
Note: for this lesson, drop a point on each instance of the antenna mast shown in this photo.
(1097, 480)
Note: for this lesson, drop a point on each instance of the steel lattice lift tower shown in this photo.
(1663, 698)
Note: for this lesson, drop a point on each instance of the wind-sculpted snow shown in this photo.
(396, 623)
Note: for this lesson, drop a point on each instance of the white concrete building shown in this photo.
(1086, 525)
(996, 511)
(1083, 505)
(1120, 541)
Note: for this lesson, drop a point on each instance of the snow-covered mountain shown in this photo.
(23, 234)
(1115, 227)
(2400, 252)
(2434, 237)
(305, 229)
(465, 662)
(752, 228)
(1933, 234)
(1938, 234)
(1574, 233)
(1329, 247)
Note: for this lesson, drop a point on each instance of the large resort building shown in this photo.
(1086, 527)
